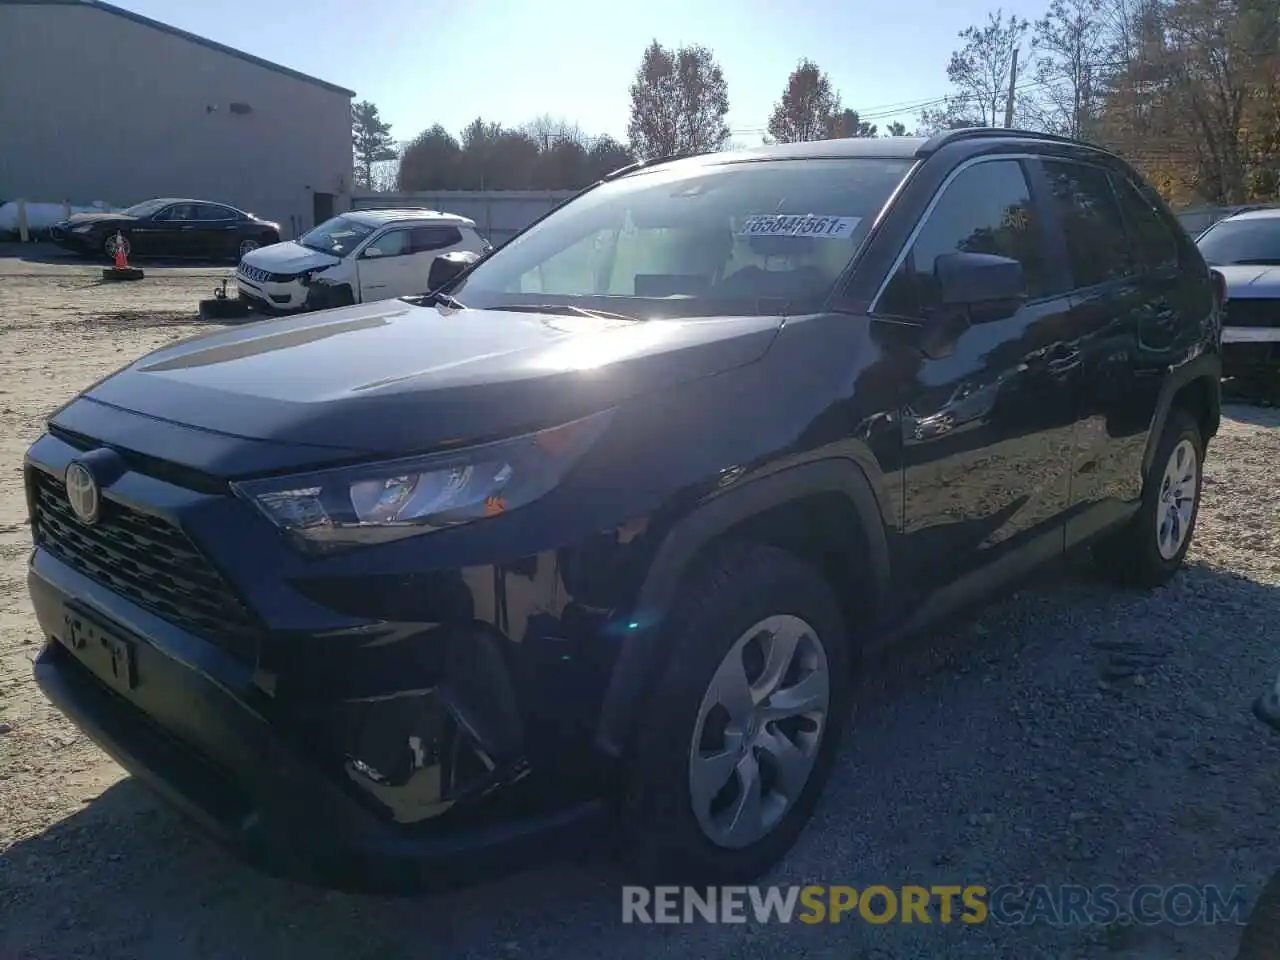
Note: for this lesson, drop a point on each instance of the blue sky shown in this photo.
(449, 61)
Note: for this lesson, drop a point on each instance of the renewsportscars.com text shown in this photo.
(1180, 904)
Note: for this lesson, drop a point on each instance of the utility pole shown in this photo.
(1013, 82)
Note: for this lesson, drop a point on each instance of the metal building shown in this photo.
(99, 103)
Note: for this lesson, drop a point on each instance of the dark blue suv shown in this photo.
(594, 535)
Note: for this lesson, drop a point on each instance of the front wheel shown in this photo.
(1148, 551)
(114, 241)
(740, 735)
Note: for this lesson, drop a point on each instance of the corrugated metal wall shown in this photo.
(499, 214)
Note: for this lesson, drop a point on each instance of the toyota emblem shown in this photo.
(82, 492)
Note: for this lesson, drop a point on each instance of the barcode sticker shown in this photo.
(805, 225)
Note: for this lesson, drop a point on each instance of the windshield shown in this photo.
(1251, 240)
(686, 240)
(146, 207)
(338, 236)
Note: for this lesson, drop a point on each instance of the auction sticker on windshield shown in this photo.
(805, 225)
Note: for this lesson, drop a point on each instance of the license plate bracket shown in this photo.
(111, 656)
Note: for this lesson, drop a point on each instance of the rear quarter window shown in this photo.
(1097, 242)
(426, 239)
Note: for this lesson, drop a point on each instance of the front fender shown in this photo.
(642, 648)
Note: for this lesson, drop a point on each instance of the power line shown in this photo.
(886, 110)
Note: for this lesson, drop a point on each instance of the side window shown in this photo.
(1153, 241)
(393, 243)
(985, 209)
(180, 212)
(1096, 241)
(212, 211)
(434, 238)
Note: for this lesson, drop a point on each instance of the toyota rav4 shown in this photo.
(594, 535)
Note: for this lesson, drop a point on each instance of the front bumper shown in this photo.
(70, 240)
(1250, 351)
(196, 730)
(272, 296)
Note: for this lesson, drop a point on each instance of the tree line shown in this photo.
(679, 102)
(1188, 90)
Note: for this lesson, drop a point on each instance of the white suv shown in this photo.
(356, 257)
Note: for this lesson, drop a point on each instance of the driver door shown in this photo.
(987, 421)
(160, 235)
(385, 266)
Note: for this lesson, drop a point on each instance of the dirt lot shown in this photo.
(1075, 734)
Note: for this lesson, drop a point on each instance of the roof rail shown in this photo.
(641, 164)
(939, 140)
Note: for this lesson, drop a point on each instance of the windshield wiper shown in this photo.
(568, 308)
(435, 296)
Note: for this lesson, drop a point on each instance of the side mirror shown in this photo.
(448, 266)
(371, 253)
(973, 288)
(980, 280)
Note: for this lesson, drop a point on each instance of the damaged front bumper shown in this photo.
(194, 725)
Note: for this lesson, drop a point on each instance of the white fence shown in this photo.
(499, 214)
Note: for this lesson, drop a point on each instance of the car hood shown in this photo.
(1251, 282)
(76, 219)
(394, 377)
(288, 257)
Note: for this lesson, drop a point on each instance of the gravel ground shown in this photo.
(1071, 734)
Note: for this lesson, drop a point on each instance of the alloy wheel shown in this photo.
(247, 246)
(113, 241)
(758, 731)
(1176, 507)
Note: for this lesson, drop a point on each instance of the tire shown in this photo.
(743, 588)
(1134, 555)
(1260, 939)
(248, 245)
(109, 245)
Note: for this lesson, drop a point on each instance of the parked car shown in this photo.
(1245, 249)
(167, 228)
(357, 257)
(596, 532)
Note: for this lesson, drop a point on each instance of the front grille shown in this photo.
(258, 275)
(1252, 313)
(147, 561)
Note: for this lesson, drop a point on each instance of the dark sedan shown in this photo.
(167, 228)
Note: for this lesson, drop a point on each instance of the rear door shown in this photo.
(386, 265)
(1117, 296)
(217, 232)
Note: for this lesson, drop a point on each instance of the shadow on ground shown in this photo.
(1245, 412)
(52, 254)
(941, 733)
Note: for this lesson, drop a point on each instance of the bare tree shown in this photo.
(1071, 48)
(807, 108)
(980, 72)
(678, 103)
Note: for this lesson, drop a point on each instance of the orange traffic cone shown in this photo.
(121, 270)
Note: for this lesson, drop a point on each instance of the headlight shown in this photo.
(381, 502)
(82, 228)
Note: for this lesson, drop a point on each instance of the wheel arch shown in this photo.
(850, 545)
(1195, 387)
